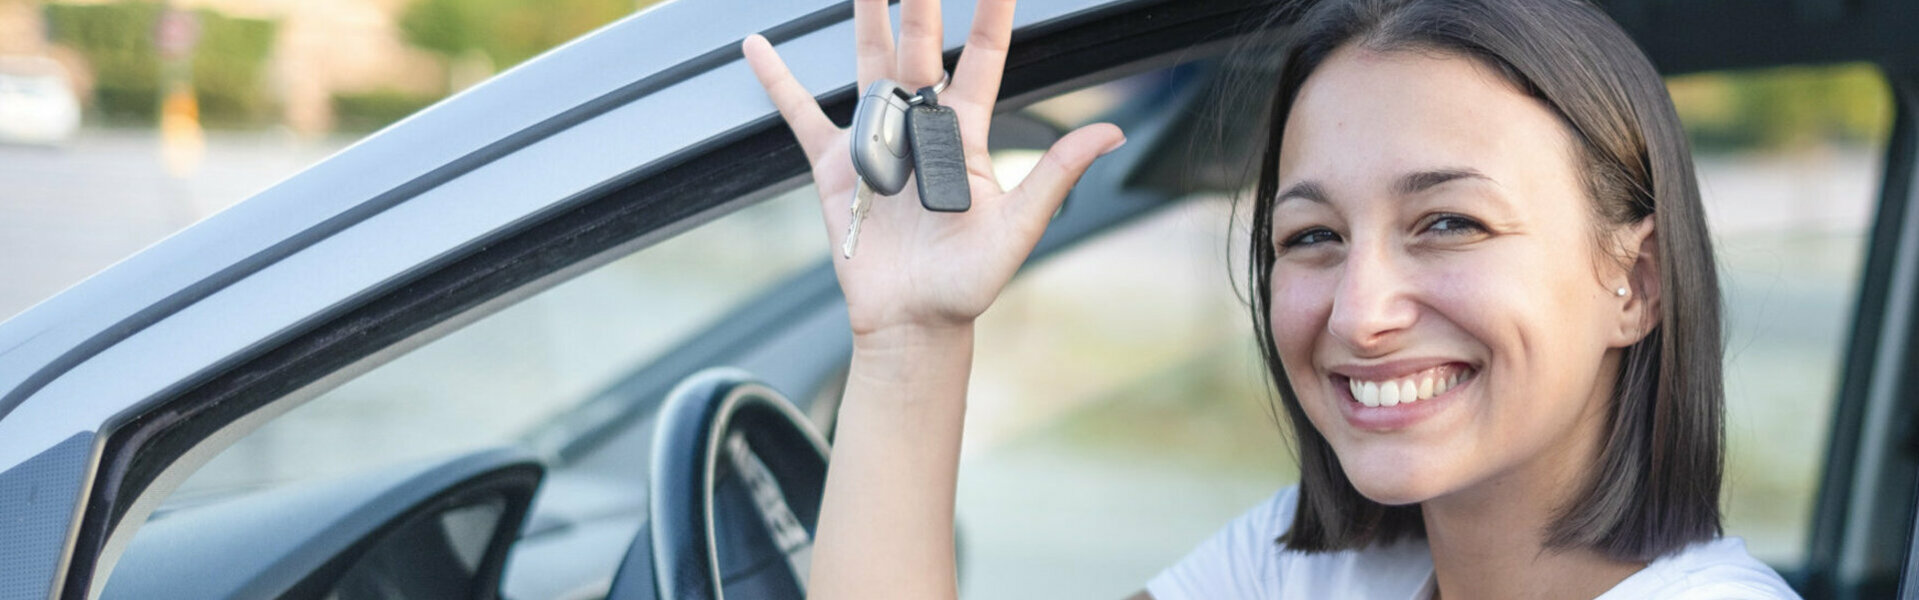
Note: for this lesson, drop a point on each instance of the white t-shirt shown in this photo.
(1242, 562)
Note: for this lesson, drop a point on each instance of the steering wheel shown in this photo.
(735, 490)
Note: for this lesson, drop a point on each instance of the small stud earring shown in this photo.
(1621, 292)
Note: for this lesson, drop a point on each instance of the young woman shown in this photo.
(1482, 283)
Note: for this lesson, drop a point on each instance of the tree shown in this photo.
(506, 31)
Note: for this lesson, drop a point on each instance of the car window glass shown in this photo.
(1118, 412)
(491, 381)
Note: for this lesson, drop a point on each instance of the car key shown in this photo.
(879, 147)
(932, 132)
(862, 202)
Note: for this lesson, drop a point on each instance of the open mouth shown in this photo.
(1422, 385)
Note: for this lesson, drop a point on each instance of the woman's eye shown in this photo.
(1310, 237)
(1454, 225)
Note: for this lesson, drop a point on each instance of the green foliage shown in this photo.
(1784, 109)
(506, 31)
(373, 110)
(117, 40)
(230, 68)
(229, 63)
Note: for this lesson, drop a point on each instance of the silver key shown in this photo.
(862, 202)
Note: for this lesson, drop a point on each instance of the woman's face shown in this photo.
(1438, 300)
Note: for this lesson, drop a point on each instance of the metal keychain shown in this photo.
(881, 153)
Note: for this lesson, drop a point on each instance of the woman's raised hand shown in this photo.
(914, 267)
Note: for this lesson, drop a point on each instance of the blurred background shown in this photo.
(122, 121)
(1104, 438)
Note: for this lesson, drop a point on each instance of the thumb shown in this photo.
(1040, 193)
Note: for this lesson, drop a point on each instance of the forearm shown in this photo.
(886, 525)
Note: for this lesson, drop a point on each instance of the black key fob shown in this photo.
(938, 159)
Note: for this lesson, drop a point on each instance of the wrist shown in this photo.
(910, 338)
(914, 354)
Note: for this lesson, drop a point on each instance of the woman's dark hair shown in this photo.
(1655, 486)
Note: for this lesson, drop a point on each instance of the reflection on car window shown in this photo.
(490, 381)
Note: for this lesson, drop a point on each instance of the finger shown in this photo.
(977, 76)
(873, 40)
(797, 106)
(921, 41)
(1039, 195)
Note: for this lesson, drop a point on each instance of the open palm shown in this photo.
(916, 267)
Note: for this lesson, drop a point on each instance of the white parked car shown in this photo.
(37, 102)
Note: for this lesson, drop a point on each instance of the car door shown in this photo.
(117, 389)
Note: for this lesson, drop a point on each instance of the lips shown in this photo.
(1410, 388)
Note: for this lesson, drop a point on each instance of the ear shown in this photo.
(1639, 308)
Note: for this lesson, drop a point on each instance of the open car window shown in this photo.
(1790, 161)
(491, 381)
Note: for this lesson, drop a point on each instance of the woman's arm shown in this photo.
(886, 527)
(916, 284)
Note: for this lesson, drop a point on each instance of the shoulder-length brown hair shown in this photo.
(1655, 487)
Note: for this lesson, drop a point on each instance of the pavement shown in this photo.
(68, 212)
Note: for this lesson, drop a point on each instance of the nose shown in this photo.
(1372, 306)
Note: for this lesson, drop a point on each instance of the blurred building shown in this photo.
(21, 31)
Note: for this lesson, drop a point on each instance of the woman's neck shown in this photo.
(1496, 550)
(1489, 541)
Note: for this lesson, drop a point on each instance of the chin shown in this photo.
(1391, 481)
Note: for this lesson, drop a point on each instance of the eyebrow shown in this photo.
(1409, 184)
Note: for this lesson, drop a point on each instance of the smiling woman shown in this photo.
(1482, 285)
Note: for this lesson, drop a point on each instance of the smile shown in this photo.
(1422, 385)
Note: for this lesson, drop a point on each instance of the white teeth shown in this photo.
(1403, 391)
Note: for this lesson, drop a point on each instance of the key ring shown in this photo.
(945, 78)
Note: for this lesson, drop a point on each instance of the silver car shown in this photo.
(665, 476)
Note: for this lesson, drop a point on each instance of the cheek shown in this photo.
(1302, 301)
(1531, 308)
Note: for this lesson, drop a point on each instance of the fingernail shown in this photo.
(1110, 149)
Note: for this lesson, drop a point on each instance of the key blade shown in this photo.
(862, 202)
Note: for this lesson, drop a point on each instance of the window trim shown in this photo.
(1852, 494)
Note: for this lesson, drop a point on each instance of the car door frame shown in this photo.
(1863, 520)
(144, 449)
